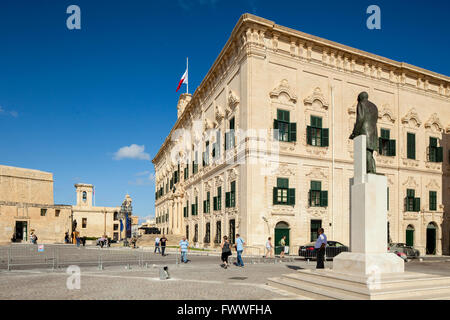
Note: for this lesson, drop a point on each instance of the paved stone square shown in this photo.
(201, 278)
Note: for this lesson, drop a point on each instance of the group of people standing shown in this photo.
(160, 245)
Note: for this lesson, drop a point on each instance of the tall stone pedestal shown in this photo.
(368, 223)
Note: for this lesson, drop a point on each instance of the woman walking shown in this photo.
(226, 251)
(269, 248)
(282, 246)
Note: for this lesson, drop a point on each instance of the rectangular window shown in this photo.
(282, 194)
(116, 216)
(43, 212)
(186, 172)
(411, 145)
(433, 200)
(229, 136)
(412, 204)
(194, 207)
(217, 200)
(84, 223)
(195, 163)
(284, 130)
(116, 226)
(218, 232)
(315, 134)
(317, 197)
(208, 233)
(230, 197)
(435, 153)
(206, 203)
(386, 146)
(57, 212)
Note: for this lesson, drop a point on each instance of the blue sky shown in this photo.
(71, 99)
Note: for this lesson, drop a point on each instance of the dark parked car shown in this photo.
(332, 249)
(410, 251)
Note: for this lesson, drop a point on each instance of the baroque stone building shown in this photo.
(261, 148)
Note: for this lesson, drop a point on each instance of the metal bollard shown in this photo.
(9, 258)
(164, 273)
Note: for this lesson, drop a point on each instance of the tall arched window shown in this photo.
(84, 196)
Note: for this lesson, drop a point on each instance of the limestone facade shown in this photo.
(26, 204)
(270, 77)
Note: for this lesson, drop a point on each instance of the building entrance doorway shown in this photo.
(21, 231)
(431, 238)
(410, 236)
(281, 229)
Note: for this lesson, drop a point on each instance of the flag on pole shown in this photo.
(184, 79)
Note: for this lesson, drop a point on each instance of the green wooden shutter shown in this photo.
(433, 142)
(227, 199)
(276, 134)
(309, 135)
(324, 198)
(411, 145)
(439, 154)
(385, 134)
(433, 200)
(309, 198)
(291, 196)
(392, 149)
(275, 193)
(283, 183)
(416, 204)
(324, 137)
(380, 145)
(292, 131)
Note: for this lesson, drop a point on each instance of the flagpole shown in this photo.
(187, 74)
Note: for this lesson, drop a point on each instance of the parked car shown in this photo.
(410, 251)
(332, 249)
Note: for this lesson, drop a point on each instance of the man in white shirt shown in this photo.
(320, 245)
(157, 245)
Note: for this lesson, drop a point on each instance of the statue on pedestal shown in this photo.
(366, 124)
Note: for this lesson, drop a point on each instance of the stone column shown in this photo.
(171, 216)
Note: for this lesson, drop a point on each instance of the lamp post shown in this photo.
(125, 212)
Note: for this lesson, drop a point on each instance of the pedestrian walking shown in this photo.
(157, 245)
(77, 236)
(163, 242)
(226, 251)
(240, 249)
(269, 248)
(320, 245)
(66, 238)
(184, 247)
(282, 246)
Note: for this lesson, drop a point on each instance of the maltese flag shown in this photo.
(184, 79)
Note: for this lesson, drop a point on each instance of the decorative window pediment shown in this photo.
(317, 96)
(412, 115)
(386, 112)
(233, 99)
(286, 89)
(434, 123)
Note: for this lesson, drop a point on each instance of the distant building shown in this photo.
(26, 205)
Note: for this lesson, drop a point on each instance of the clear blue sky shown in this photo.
(69, 100)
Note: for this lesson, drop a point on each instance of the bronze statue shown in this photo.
(366, 124)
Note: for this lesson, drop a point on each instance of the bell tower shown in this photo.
(84, 194)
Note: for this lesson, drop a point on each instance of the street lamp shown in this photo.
(125, 212)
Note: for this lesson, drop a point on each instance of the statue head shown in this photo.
(363, 96)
